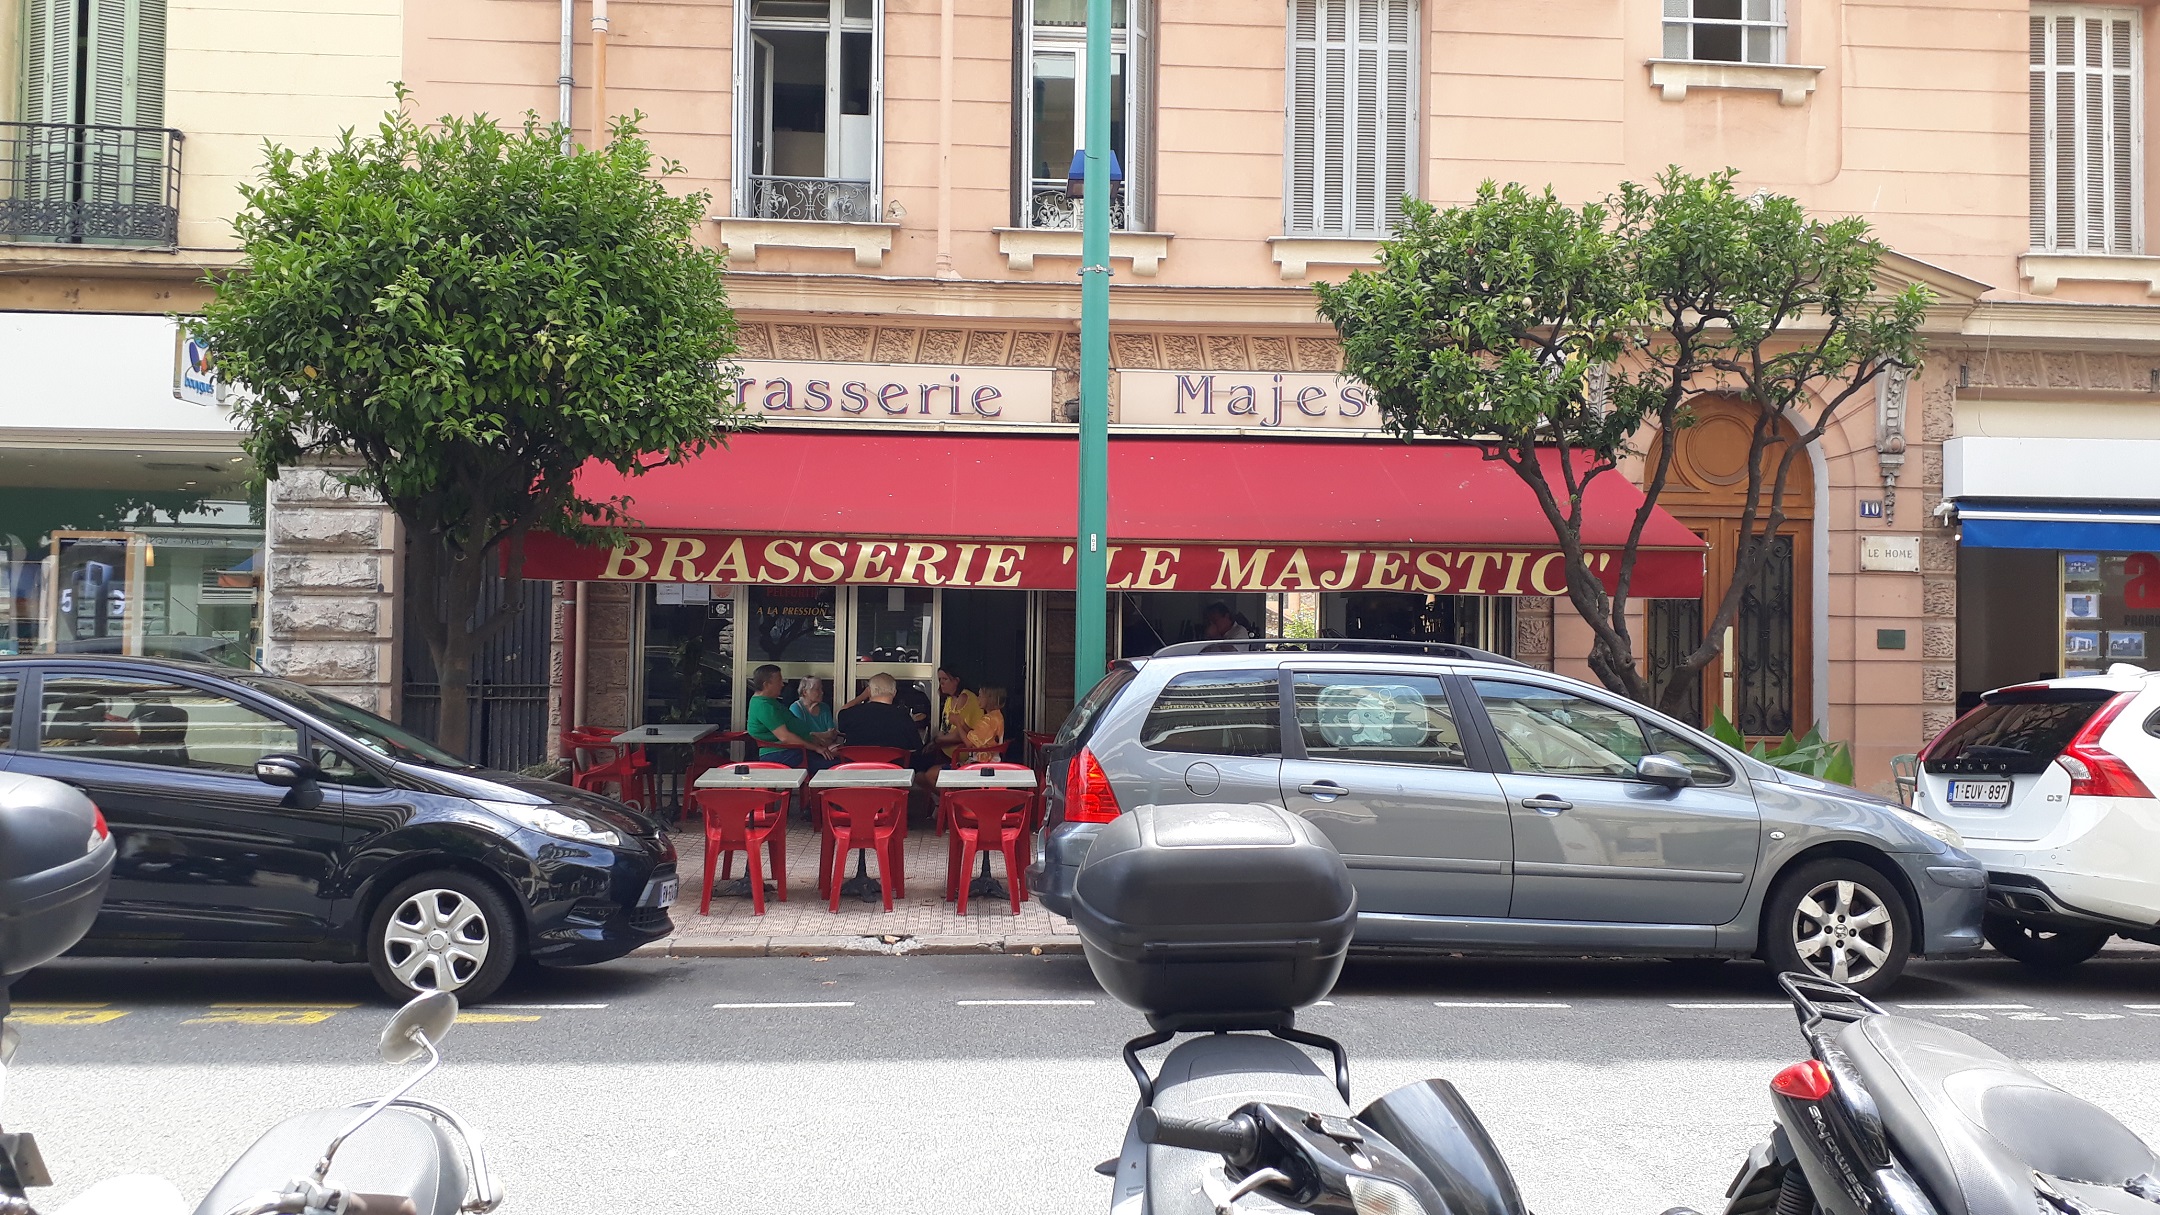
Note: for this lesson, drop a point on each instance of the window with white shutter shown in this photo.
(1352, 129)
(2085, 187)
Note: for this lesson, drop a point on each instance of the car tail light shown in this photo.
(1809, 1081)
(2095, 771)
(98, 830)
(1088, 797)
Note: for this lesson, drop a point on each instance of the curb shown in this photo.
(856, 947)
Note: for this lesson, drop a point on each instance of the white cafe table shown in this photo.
(669, 735)
(726, 777)
(992, 778)
(863, 778)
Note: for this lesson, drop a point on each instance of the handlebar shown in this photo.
(1236, 1138)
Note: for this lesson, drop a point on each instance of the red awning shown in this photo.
(1186, 513)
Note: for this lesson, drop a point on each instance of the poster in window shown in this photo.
(2081, 646)
(2081, 567)
(2121, 645)
(2081, 605)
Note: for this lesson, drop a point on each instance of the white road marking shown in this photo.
(1733, 1004)
(1023, 1003)
(2125, 1006)
(793, 1004)
(1970, 1007)
(1495, 1004)
(547, 1007)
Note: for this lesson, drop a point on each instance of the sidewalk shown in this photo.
(923, 922)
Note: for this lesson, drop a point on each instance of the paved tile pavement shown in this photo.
(921, 922)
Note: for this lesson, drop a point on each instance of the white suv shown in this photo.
(2051, 786)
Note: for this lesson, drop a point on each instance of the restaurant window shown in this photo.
(163, 560)
(2110, 606)
(689, 654)
(809, 110)
(1352, 109)
(1216, 713)
(1051, 78)
(2084, 129)
(1725, 31)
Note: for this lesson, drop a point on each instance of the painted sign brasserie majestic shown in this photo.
(1048, 565)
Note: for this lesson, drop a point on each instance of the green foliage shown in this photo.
(1555, 335)
(473, 315)
(1810, 755)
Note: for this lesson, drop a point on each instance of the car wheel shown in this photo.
(443, 931)
(1840, 920)
(2042, 948)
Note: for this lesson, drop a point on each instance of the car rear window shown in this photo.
(1081, 721)
(2016, 732)
(1216, 713)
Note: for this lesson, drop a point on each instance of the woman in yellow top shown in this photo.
(985, 741)
(963, 717)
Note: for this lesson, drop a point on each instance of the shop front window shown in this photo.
(689, 655)
(1486, 622)
(794, 627)
(153, 568)
(2110, 605)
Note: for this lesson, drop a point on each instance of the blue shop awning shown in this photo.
(2116, 529)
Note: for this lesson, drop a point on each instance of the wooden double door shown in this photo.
(1772, 644)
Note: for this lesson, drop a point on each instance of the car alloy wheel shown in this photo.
(437, 940)
(1842, 931)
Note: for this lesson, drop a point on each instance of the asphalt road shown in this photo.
(979, 1084)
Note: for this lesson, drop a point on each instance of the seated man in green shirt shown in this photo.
(771, 723)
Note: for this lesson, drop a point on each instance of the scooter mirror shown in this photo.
(429, 1014)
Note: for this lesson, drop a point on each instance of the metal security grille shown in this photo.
(1675, 631)
(2085, 133)
(1764, 642)
(1352, 115)
(89, 184)
(508, 710)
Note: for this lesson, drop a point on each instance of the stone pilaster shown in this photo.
(333, 588)
(1534, 631)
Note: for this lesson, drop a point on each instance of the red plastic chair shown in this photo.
(857, 820)
(987, 820)
(599, 763)
(944, 807)
(745, 821)
(713, 751)
(894, 756)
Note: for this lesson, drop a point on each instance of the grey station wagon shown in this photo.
(1483, 805)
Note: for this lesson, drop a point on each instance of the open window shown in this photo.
(1051, 80)
(809, 110)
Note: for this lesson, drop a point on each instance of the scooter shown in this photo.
(397, 1155)
(1891, 1115)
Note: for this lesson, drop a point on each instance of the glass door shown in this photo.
(796, 628)
(895, 630)
(1056, 119)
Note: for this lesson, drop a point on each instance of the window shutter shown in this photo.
(1352, 101)
(49, 62)
(2085, 186)
(127, 63)
(1140, 127)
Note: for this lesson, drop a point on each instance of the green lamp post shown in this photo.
(1092, 554)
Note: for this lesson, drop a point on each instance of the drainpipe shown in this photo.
(577, 648)
(563, 78)
(567, 695)
(599, 73)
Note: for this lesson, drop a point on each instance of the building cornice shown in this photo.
(862, 295)
(105, 261)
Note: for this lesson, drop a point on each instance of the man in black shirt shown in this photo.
(873, 720)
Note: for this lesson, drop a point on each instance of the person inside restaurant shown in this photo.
(963, 716)
(875, 719)
(773, 727)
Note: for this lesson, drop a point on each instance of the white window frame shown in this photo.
(1061, 40)
(2068, 217)
(1362, 217)
(833, 25)
(1680, 15)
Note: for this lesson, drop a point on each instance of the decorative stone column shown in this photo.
(333, 589)
(1534, 631)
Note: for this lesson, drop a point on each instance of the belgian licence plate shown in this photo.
(660, 892)
(1980, 792)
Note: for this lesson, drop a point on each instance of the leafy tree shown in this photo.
(1555, 337)
(466, 315)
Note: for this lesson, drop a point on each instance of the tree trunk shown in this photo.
(455, 583)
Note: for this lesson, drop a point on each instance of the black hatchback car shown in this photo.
(255, 817)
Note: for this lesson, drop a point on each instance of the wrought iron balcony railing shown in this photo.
(834, 199)
(1050, 207)
(77, 184)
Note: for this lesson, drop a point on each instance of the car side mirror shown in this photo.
(294, 773)
(1664, 770)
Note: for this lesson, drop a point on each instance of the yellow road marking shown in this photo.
(466, 1018)
(67, 1016)
(284, 1004)
(263, 1016)
(55, 1004)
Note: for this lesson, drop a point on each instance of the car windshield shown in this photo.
(385, 738)
(2024, 729)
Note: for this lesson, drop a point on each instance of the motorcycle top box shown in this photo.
(55, 860)
(1206, 917)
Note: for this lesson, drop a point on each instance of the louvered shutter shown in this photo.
(127, 63)
(1140, 126)
(49, 62)
(2085, 189)
(1352, 101)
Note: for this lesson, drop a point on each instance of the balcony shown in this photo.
(825, 199)
(1049, 206)
(89, 185)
